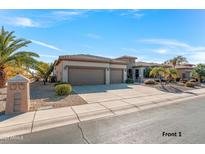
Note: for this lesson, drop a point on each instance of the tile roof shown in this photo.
(90, 58)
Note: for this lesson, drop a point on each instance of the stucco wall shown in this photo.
(61, 70)
(58, 71)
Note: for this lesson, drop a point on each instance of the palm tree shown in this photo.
(158, 72)
(10, 54)
(176, 61)
(44, 70)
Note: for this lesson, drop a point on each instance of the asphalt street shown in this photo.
(183, 122)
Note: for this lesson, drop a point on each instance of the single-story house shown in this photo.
(136, 69)
(90, 70)
(185, 71)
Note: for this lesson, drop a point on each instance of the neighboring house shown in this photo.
(136, 69)
(89, 70)
(185, 71)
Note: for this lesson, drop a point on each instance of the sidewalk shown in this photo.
(12, 125)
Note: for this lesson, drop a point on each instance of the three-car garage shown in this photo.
(89, 70)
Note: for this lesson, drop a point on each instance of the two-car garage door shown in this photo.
(93, 76)
(86, 76)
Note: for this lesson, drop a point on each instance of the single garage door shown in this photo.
(116, 75)
(86, 76)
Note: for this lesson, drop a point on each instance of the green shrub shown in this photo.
(129, 81)
(150, 81)
(63, 89)
(190, 84)
(59, 83)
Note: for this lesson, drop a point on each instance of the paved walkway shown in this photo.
(108, 103)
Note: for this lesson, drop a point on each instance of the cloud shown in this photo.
(94, 36)
(68, 13)
(166, 42)
(195, 54)
(46, 45)
(161, 51)
(48, 56)
(22, 22)
(133, 13)
(198, 57)
(173, 43)
(130, 49)
(39, 19)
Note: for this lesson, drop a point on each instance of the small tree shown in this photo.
(44, 70)
(199, 72)
(158, 72)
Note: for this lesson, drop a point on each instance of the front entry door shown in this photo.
(136, 74)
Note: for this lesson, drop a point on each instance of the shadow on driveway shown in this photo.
(99, 88)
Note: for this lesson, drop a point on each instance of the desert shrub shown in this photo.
(59, 83)
(192, 80)
(63, 89)
(190, 84)
(129, 81)
(150, 81)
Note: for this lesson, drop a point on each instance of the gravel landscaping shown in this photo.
(44, 97)
(173, 88)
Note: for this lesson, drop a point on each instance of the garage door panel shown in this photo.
(86, 76)
(116, 76)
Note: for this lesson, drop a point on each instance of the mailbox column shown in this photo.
(18, 94)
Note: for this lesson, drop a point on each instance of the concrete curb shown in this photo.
(38, 125)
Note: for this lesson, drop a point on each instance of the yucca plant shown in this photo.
(10, 53)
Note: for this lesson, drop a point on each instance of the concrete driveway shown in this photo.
(120, 99)
(119, 92)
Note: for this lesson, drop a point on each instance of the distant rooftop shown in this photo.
(125, 56)
(146, 64)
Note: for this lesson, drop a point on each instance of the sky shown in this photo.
(149, 35)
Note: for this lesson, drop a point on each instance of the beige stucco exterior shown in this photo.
(61, 69)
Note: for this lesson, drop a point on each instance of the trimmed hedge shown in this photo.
(63, 89)
(150, 81)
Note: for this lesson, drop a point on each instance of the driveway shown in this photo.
(122, 93)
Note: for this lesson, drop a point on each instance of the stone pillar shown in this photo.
(124, 75)
(18, 94)
(65, 73)
(141, 74)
